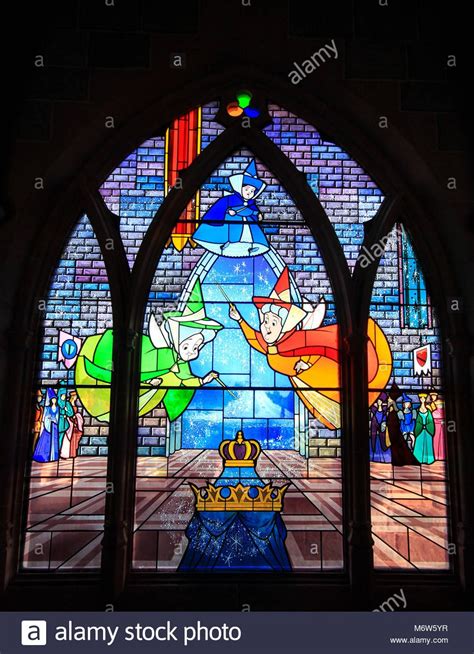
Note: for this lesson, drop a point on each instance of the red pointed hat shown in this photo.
(281, 297)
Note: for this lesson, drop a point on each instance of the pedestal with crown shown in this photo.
(237, 524)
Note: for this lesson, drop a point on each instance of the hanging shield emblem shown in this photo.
(422, 360)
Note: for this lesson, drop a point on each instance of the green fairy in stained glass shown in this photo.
(165, 373)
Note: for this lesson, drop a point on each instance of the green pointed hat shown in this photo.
(193, 318)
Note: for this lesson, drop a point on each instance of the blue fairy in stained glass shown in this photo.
(229, 227)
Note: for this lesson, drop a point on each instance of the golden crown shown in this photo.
(239, 497)
(240, 452)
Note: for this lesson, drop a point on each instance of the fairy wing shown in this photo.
(314, 315)
(157, 336)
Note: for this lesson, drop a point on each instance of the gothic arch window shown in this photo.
(253, 393)
(408, 425)
(225, 415)
(66, 477)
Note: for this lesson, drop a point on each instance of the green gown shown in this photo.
(94, 368)
(65, 411)
(424, 432)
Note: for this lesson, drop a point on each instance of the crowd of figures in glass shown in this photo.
(404, 431)
(58, 425)
(239, 411)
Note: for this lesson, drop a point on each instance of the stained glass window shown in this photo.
(240, 427)
(67, 473)
(407, 422)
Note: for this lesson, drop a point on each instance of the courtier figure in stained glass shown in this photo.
(65, 414)
(237, 524)
(77, 429)
(47, 446)
(39, 408)
(424, 432)
(229, 227)
(379, 441)
(437, 409)
(407, 415)
(296, 346)
(166, 353)
(401, 452)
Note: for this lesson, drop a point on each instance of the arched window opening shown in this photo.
(410, 507)
(249, 266)
(241, 434)
(67, 473)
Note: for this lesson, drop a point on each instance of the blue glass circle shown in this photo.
(253, 492)
(225, 492)
(69, 349)
(251, 113)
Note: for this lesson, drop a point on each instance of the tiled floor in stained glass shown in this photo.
(312, 507)
(66, 514)
(65, 520)
(409, 516)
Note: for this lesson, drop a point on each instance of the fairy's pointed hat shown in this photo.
(193, 318)
(406, 398)
(249, 176)
(281, 297)
(50, 393)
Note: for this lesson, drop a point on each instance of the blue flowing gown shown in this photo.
(47, 446)
(227, 541)
(232, 236)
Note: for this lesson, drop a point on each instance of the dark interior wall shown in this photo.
(113, 59)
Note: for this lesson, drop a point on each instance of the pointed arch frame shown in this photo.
(416, 199)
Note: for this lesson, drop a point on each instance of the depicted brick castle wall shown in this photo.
(385, 309)
(209, 128)
(152, 433)
(345, 190)
(135, 191)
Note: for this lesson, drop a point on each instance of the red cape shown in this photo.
(299, 342)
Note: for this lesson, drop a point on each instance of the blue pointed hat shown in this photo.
(251, 169)
(249, 176)
(50, 394)
(406, 398)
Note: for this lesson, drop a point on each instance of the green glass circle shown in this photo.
(243, 98)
